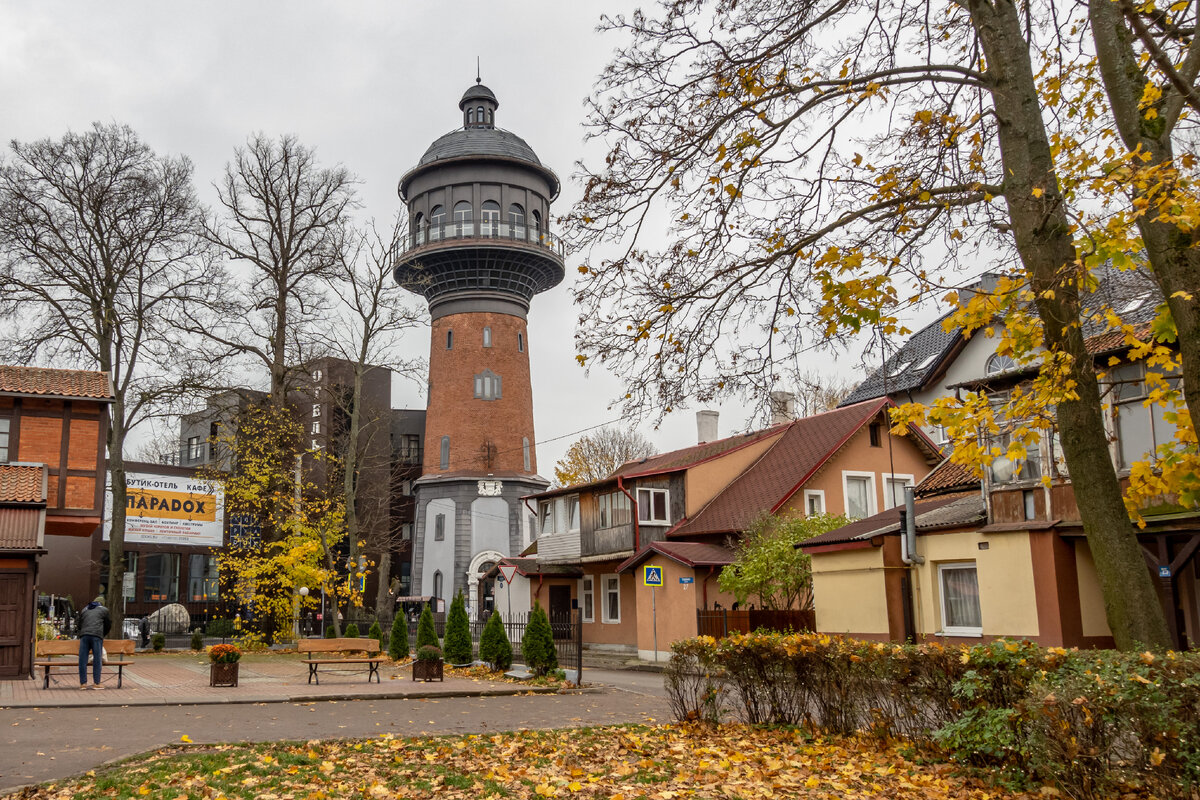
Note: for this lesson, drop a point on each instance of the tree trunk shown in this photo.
(383, 592)
(1171, 250)
(350, 477)
(1043, 240)
(115, 441)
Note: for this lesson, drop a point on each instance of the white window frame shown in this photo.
(573, 520)
(872, 494)
(650, 519)
(814, 493)
(957, 630)
(587, 591)
(604, 592)
(887, 494)
(547, 518)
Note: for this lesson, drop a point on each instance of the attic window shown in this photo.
(1134, 304)
(998, 363)
(928, 360)
(899, 367)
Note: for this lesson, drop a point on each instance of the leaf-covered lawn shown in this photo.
(665, 762)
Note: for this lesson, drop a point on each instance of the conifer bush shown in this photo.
(426, 631)
(375, 632)
(494, 645)
(457, 645)
(537, 646)
(398, 642)
(330, 633)
(352, 631)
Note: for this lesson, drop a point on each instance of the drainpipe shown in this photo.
(637, 533)
(908, 536)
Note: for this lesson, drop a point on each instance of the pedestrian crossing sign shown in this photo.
(652, 576)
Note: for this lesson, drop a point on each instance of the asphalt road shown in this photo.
(39, 745)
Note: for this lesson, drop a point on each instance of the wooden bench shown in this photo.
(47, 650)
(365, 647)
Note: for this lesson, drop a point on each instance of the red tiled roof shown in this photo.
(945, 511)
(947, 476)
(690, 456)
(22, 483)
(55, 382)
(805, 445)
(690, 554)
(533, 567)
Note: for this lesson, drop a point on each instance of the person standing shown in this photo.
(144, 629)
(93, 623)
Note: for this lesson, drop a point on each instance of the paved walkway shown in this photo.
(182, 679)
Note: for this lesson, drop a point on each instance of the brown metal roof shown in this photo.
(690, 554)
(947, 477)
(690, 456)
(806, 444)
(20, 528)
(22, 483)
(937, 512)
(55, 382)
(532, 567)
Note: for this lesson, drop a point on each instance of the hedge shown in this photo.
(1095, 723)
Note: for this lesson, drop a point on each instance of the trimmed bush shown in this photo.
(375, 632)
(197, 640)
(537, 645)
(1098, 723)
(457, 644)
(351, 631)
(428, 653)
(398, 641)
(426, 631)
(330, 633)
(494, 645)
(158, 641)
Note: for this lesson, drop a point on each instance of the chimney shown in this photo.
(783, 407)
(706, 426)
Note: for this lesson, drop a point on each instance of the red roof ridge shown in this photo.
(54, 382)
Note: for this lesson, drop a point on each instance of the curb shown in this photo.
(296, 698)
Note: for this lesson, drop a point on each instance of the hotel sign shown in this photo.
(170, 509)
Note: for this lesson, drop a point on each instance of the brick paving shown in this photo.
(182, 679)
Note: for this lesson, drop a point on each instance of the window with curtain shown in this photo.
(959, 587)
(858, 496)
(613, 509)
(652, 507)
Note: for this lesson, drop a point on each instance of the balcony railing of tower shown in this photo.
(526, 234)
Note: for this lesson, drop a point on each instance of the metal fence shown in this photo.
(723, 621)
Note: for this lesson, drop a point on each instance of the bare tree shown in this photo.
(285, 219)
(373, 320)
(815, 392)
(597, 455)
(102, 253)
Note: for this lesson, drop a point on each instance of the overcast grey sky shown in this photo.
(368, 84)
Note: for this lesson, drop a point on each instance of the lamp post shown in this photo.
(303, 594)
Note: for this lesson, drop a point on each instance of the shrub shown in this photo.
(457, 644)
(222, 628)
(159, 641)
(224, 654)
(375, 632)
(494, 645)
(197, 640)
(351, 631)
(426, 632)
(398, 641)
(330, 633)
(428, 653)
(537, 645)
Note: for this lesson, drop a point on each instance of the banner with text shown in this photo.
(169, 509)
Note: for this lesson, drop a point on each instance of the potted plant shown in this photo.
(428, 666)
(223, 666)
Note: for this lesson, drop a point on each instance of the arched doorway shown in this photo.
(480, 597)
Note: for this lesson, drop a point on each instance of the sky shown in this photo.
(368, 84)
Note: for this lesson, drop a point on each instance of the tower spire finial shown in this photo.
(478, 78)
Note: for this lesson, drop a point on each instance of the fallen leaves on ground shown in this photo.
(615, 763)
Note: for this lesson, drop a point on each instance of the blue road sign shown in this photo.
(652, 576)
(687, 580)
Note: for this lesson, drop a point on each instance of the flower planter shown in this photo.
(427, 670)
(223, 674)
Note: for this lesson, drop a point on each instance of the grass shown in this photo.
(615, 763)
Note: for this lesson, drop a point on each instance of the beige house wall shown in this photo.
(1091, 601)
(703, 481)
(858, 455)
(668, 611)
(621, 634)
(848, 591)
(1007, 600)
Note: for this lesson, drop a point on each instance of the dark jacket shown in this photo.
(94, 620)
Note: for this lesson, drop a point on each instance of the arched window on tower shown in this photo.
(525, 452)
(437, 223)
(487, 336)
(490, 218)
(537, 224)
(489, 117)
(463, 217)
(445, 454)
(479, 114)
(516, 221)
(450, 340)
(419, 229)
(470, 116)
(437, 584)
(520, 343)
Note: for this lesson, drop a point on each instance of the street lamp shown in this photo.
(307, 626)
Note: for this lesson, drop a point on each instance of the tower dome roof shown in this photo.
(478, 92)
(479, 142)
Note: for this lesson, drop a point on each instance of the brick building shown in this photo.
(478, 250)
